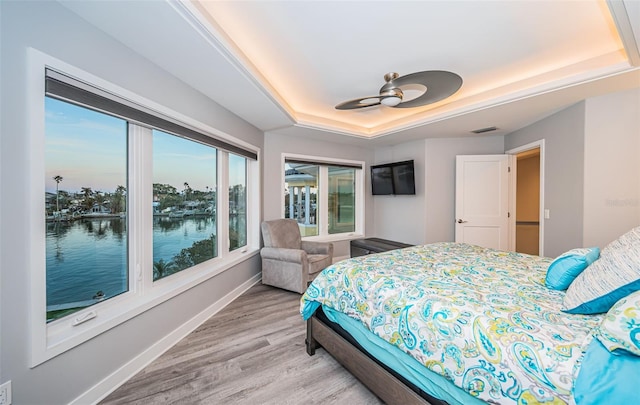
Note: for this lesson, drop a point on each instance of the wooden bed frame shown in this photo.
(381, 382)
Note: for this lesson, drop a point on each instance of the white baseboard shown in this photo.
(105, 387)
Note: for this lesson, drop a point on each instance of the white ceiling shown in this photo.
(284, 65)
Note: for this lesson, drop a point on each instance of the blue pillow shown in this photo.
(606, 378)
(566, 267)
(613, 276)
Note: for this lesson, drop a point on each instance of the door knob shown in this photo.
(461, 221)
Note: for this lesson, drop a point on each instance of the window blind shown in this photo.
(61, 86)
(322, 162)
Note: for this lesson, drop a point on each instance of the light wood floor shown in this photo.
(251, 352)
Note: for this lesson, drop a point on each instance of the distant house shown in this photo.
(99, 209)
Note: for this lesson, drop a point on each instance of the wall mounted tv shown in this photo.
(393, 178)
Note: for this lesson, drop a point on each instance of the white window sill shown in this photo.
(62, 335)
(334, 238)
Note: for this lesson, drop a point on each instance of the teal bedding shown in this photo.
(480, 318)
(402, 363)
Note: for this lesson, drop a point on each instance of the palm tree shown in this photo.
(58, 179)
(186, 191)
(99, 198)
(118, 200)
(162, 269)
(88, 199)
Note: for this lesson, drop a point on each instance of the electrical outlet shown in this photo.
(5, 393)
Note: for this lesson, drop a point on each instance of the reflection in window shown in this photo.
(237, 201)
(301, 196)
(342, 199)
(85, 205)
(184, 204)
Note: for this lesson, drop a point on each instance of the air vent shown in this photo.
(483, 130)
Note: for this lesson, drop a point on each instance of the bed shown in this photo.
(461, 324)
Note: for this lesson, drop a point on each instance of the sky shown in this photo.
(89, 149)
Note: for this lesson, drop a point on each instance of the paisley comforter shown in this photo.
(482, 318)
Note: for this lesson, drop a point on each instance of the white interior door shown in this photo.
(483, 200)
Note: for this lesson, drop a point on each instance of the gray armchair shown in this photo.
(288, 262)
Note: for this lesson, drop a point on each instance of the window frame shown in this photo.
(323, 195)
(50, 340)
(246, 182)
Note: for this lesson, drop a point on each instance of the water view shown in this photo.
(87, 175)
(86, 258)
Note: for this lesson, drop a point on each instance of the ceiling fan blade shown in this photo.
(440, 84)
(358, 103)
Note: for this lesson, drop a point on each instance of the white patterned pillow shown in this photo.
(613, 276)
(620, 329)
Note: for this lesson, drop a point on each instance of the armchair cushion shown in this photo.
(317, 263)
(285, 255)
(320, 248)
(281, 233)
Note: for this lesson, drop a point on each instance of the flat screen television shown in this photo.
(393, 178)
(381, 180)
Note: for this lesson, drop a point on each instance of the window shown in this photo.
(237, 201)
(342, 199)
(130, 214)
(85, 204)
(324, 196)
(301, 196)
(184, 204)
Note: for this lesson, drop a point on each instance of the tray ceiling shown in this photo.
(284, 65)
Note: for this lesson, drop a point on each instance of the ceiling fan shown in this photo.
(439, 85)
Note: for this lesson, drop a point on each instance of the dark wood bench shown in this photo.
(361, 247)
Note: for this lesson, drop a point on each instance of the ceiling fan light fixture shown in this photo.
(391, 101)
(391, 97)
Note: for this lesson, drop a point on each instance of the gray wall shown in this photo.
(592, 170)
(421, 218)
(54, 30)
(592, 176)
(563, 133)
(429, 215)
(401, 217)
(612, 166)
(441, 180)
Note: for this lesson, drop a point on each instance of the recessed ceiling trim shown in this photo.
(447, 111)
(457, 111)
(598, 68)
(333, 126)
(625, 30)
(211, 32)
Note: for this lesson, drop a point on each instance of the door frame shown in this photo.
(541, 217)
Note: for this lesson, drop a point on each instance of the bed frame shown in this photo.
(389, 388)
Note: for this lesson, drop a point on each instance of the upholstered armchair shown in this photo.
(288, 262)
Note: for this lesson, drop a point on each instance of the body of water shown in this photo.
(90, 255)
